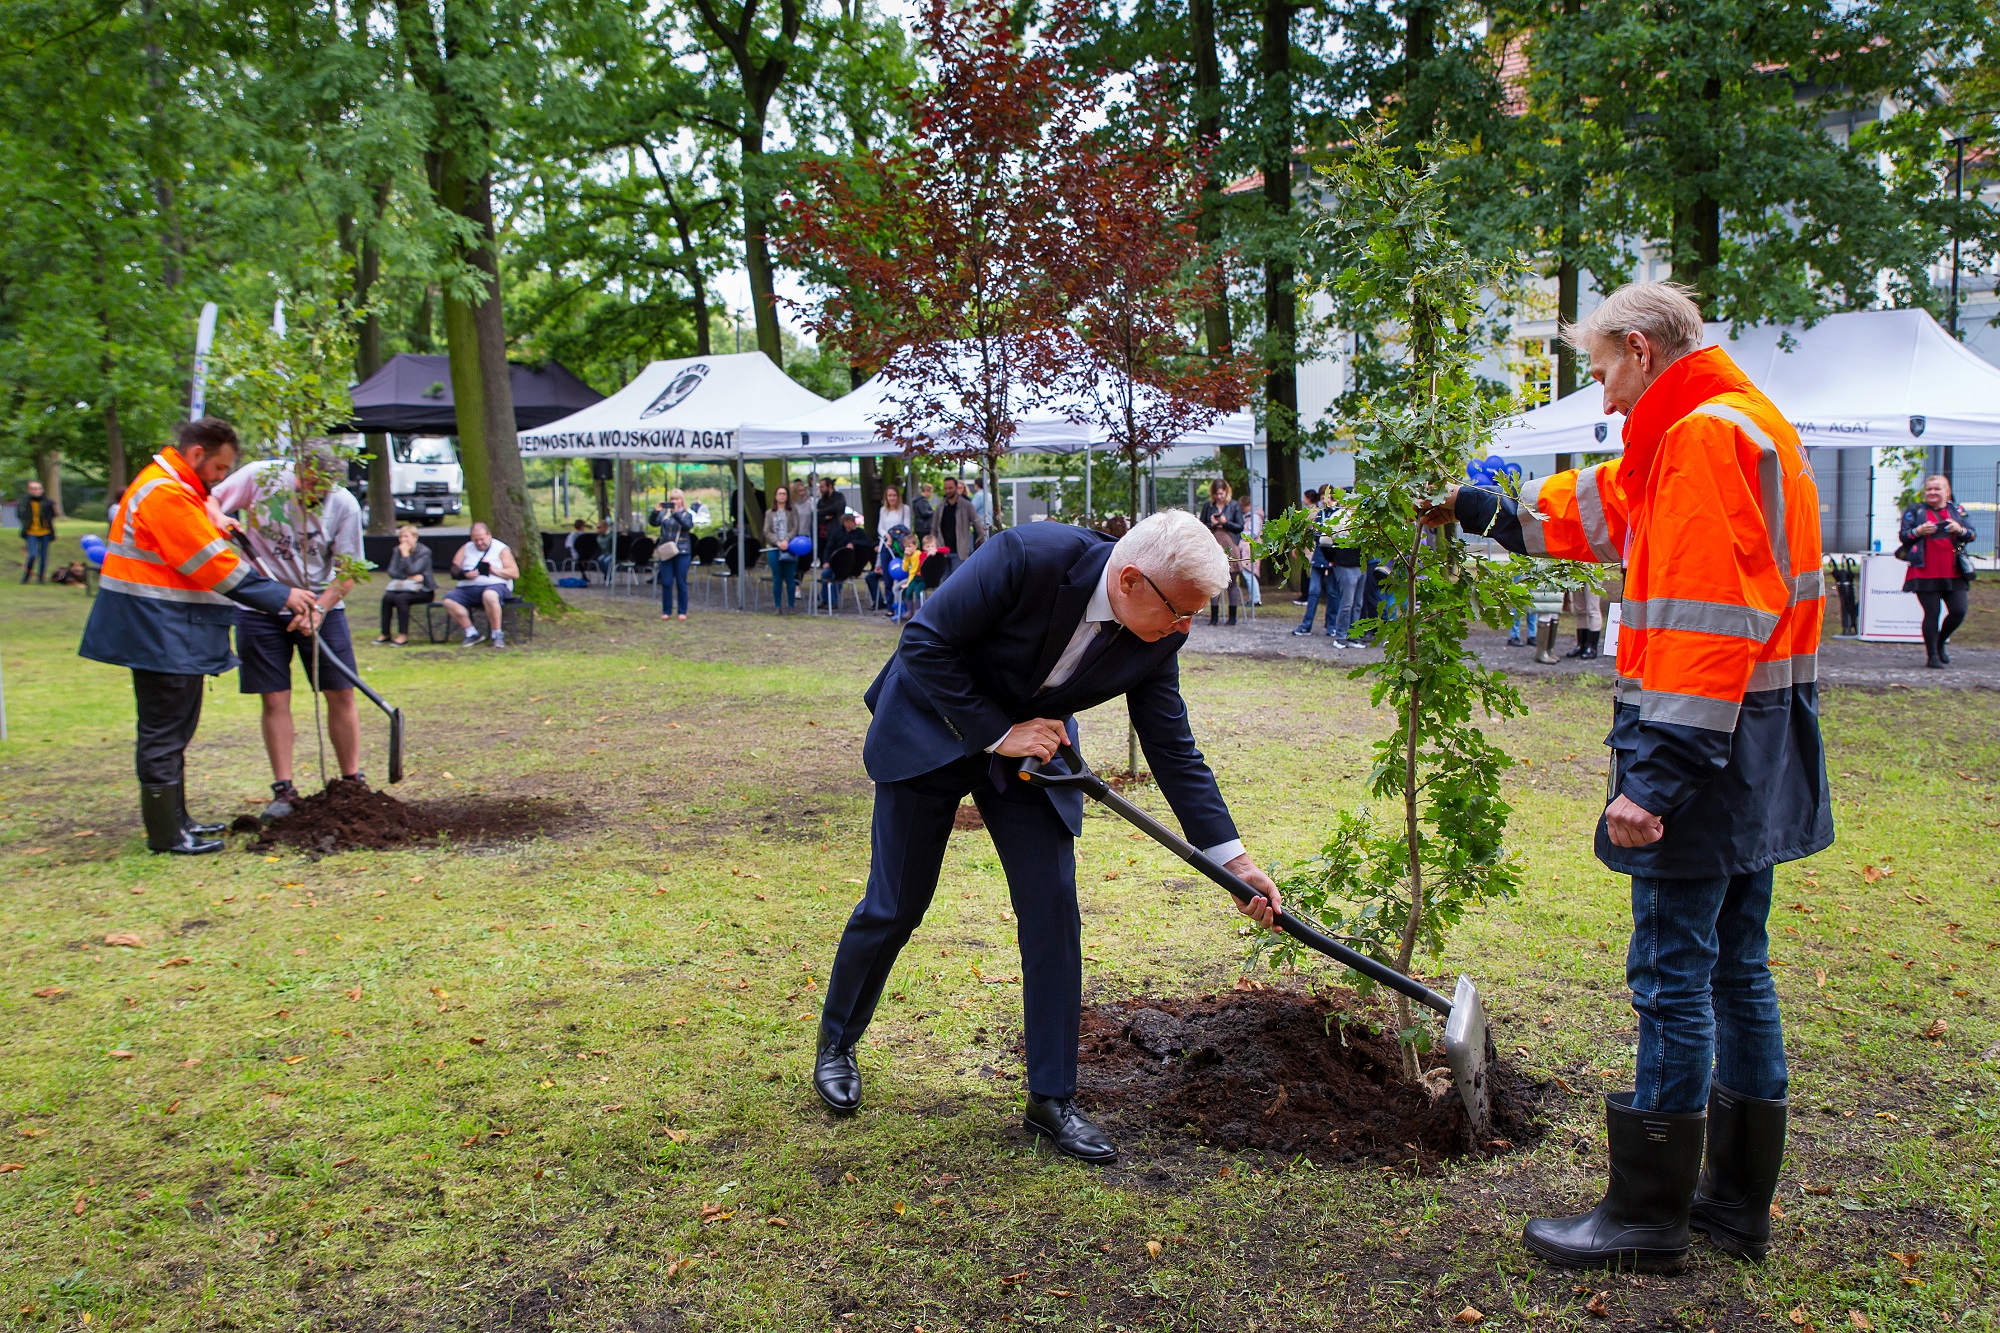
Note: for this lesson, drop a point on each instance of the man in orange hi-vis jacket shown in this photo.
(1718, 767)
(164, 607)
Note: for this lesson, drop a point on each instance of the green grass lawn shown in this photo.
(564, 1083)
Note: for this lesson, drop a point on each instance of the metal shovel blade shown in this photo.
(1465, 1049)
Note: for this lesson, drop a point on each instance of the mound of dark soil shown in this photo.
(1281, 1072)
(347, 818)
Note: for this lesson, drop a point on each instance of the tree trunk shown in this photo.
(115, 473)
(1281, 305)
(368, 360)
(1567, 281)
(49, 466)
(757, 248)
(1698, 224)
(871, 492)
(1419, 98)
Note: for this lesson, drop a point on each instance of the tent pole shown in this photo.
(1088, 518)
(742, 518)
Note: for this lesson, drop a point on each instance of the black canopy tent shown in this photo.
(411, 395)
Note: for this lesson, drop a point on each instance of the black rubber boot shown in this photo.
(1582, 637)
(1739, 1174)
(199, 830)
(160, 807)
(1593, 639)
(1642, 1223)
(1232, 617)
(1214, 613)
(837, 1075)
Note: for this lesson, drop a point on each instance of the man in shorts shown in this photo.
(302, 526)
(486, 570)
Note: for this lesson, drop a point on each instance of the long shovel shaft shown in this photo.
(1379, 973)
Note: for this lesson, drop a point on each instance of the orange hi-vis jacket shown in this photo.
(171, 580)
(1714, 514)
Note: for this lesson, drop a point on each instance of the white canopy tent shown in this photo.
(1867, 379)
(690, 408)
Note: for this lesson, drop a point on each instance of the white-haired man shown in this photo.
(1041, 622)
(1718, 768)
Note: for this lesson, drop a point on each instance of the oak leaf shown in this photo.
(48, 992)
(124, 939)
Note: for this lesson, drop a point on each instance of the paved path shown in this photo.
(1841, 661)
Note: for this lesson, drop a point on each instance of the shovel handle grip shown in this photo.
(1079, 777)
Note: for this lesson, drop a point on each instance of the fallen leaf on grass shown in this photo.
(33, 851)
(345, 1161)
(1598, 1307)
(1859, 1320)
(776, 1222)
(1564, 1085)
(81, 1206)
(1936, 1031)
(1798, 1313)
(1889, 1116)
(182, 961)
(1909, 1260)
(1066, 1295)
(477, 1041)
(899, 1208)
(1153, 1249)
(293, 1059)
(120, 1054)
(31, 1131)
(1471, 1314)
(1816, 1189)
(677, 1267)
(675, 1135)
(715, 1212)
(48, 992)
(613, 1109)
(1869, 874)
(5, 1167)
(121, 939)
(353, 992)
(1011, 1279)
(849, 1178)
(191, 1062)
(171, 1107)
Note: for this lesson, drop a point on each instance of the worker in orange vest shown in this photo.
(1718, 768)
(164, 607)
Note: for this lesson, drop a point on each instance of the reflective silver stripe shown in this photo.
(130, 505)
(1590, 509)
(1630, 688)
(1784, 673)
(234, 577)
(159, 594)
(1532, 537)
(1738, 622)
(131, 552)
(1770, 478)
(1688, 710)
(203, 556)
(1808, 587)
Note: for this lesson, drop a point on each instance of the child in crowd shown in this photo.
(911, 585)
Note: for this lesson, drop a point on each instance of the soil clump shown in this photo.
(345, 817)
(1281, 1072)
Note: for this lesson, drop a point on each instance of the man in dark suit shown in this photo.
(1043, 621)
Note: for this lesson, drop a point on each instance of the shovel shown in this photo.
(1467, 1043)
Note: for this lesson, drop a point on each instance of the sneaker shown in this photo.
(1302, 632)
(472, 636)
(280, 804)
(499, 640)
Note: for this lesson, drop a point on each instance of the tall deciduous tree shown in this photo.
(938, 241)
(464, 69)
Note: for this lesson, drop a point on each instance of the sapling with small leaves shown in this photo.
(1396, 876)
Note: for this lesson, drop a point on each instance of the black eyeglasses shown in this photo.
(1180, 618)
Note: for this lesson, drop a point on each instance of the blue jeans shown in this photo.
(1699, 968)
(1525, 626)
(1348, 583)
(673, 577)
(38, 557)
(784, 577)
(1319, 584)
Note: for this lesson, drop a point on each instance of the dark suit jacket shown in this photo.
(970, 661)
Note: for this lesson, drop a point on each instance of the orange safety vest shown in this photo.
(1714, 513)
(171, 580)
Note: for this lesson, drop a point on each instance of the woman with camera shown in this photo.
(675, 551)
(410, 584)
(1935, 533)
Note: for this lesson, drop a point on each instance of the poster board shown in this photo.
(1888, 614)
(1612, 619)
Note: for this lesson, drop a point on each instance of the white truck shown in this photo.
(424, 476)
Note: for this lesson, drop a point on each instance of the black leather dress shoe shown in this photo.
(1057, 1119)
(837, 1076)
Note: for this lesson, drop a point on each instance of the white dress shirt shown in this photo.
(1098, 619)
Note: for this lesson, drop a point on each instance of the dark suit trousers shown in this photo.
(169, 713)
(913, 820)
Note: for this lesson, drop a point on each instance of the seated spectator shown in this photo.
(851, 537)
(410, 584)
(486, 572)
(913, 584)
(607, 546)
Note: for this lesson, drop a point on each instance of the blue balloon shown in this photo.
(93, 549)
(800, 545)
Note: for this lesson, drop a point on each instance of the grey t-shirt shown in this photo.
(294, 545)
